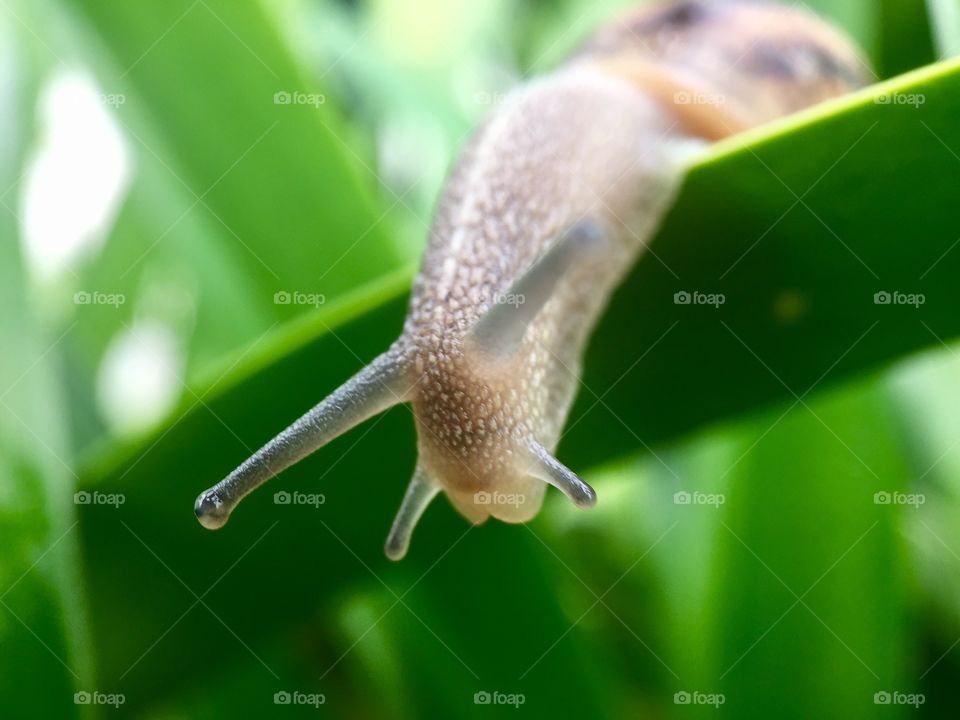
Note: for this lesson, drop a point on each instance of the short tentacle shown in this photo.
(420, 492)
(546, 467)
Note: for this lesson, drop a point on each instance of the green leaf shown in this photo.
(273, 172)
(807, 563)
(799, 226)
(945, 21)
(228, 179)
(905, 37)
(767, 568)
(43, 628)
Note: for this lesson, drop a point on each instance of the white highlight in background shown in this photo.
(76, 178)
(139, 378)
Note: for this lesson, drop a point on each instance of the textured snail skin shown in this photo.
(548, 207)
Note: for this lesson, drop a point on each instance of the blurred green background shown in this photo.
(211, 214)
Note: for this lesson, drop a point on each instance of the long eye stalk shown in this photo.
(377, 387)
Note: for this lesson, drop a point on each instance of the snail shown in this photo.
(550, 204)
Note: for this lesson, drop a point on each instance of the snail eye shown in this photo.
(676, 18)
(683, 15)
(773, 61)
(806, 62)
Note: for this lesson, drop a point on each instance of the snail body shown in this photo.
(550, 204)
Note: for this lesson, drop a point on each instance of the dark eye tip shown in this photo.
(684, 14)
(210, 512)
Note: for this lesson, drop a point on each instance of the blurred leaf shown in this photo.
(807, 566)
(860, 19)
(893, 34)
(945, 26)
(508, 632)
(43, 629)
(229, 177)
(256, 141)
(723, 533)
(927, 392)
(905, 37)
